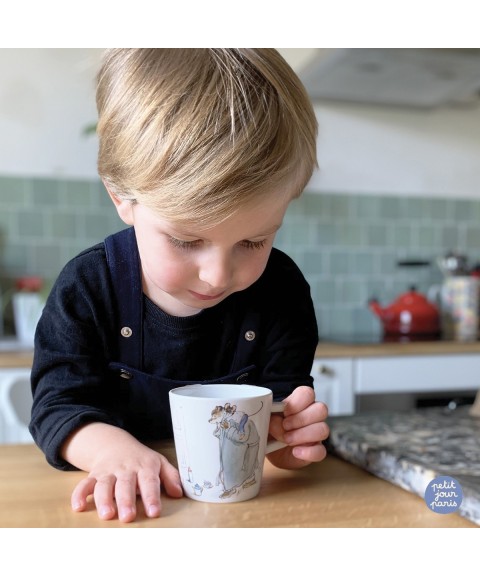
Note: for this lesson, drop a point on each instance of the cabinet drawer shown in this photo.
(417, 374)
(333, 382)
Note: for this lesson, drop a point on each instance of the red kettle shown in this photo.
(411, 314)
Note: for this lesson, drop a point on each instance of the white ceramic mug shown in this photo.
(221, 433)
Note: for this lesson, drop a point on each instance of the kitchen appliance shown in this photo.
(458, 297)
(460, 306)
(421, 78)
(411, 316)
(452, 264)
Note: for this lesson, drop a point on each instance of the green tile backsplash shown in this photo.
(44, 223)
(347, 245)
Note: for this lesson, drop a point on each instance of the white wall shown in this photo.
(47, 98)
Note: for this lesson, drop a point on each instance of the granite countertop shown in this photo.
(412, 448)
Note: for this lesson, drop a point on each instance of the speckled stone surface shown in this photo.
(412, 448)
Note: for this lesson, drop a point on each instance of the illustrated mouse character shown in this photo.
(228, 416)
(239, 417)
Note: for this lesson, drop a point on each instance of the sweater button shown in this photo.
(125, 374)
(250, 335)
(126, 332)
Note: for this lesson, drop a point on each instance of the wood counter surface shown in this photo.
(16, 359)
(328, 494)
(331, 350)
(23, 359)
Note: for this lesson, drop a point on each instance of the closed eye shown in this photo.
(184, 244)
(253, 244)
(192, 244)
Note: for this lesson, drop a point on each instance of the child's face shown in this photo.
(186, 269)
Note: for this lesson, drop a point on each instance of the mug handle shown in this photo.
(274, 444)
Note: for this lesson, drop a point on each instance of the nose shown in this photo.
(216, 270)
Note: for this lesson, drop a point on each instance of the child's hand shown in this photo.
(121, 469)
(302, 427)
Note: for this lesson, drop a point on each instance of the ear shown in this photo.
(124, 207)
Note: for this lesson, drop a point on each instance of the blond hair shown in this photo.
(196, 134)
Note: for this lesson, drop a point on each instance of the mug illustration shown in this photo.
(235, 467)
(239, 444)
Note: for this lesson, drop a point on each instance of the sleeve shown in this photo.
(70, 383)
(291, 334)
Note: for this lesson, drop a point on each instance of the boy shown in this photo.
(201, 151)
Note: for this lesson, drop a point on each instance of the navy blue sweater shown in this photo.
(77, 370)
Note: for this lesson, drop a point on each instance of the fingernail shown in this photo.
(105, 511)
(127, 513)
(153, 511)
(297, 452)
(76, 506)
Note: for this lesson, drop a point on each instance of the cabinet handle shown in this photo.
(324, 370)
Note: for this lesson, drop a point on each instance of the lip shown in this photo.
(203, 297)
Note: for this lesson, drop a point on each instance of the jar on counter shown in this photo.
(27, 302)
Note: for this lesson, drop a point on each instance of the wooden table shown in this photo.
(328, 494)
(16, 359)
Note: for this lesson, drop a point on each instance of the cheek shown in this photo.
(172, 274)
(163, 269)
(251, 269)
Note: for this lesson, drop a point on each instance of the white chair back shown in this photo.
(15, 406)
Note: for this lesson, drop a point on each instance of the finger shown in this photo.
(299, 400)
(276, 428)
(310, 453)
(103, 497)
(126, 497)
(81, 492)
(149, 489)
(313, 413)
(170, 478)
(298, 457)
(310, 434)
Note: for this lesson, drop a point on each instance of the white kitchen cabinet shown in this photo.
(15, 405)
(417, 374)
(334, 384)
(339, 381)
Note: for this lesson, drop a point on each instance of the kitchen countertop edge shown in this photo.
(329, 349)
(325, 349)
